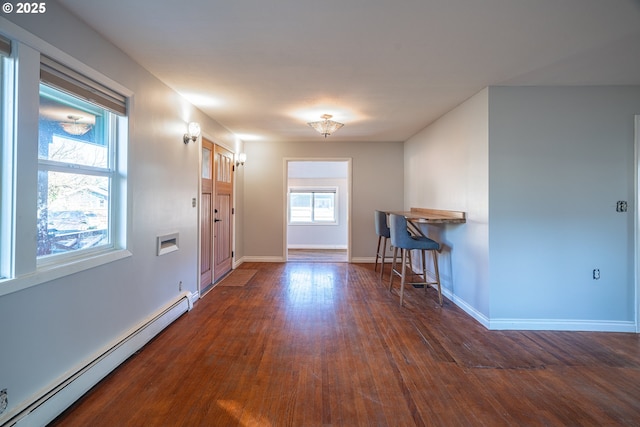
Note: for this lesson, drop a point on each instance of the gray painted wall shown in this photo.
(539, 171)
(321, 174)
(322, 236)
(377, 183)
(560, 159)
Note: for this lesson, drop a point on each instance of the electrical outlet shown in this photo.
(596, 273)
(180, 286)
(4, 400)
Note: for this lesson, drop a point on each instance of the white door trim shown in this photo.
(636, 206)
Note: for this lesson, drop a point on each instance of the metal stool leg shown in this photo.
(437, 273)
(384, 255)
(404, 274)
(424, 270)
(393, 267)
(375, 266)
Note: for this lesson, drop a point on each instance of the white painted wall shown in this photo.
(50, 329)
(321, 236)
(320, 174)
(377, 183)
(446, 167)
(560, 158)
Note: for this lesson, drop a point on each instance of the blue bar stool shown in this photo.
(384, 233)
(403, 240)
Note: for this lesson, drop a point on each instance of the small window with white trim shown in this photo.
(313, 206)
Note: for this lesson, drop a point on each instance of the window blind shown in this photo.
(74, 83)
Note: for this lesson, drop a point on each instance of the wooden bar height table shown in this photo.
(417, 216)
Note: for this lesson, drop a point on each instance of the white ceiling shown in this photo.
(384, 68)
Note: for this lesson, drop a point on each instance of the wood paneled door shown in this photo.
(216, 215)
(223, 212)
(206, 216)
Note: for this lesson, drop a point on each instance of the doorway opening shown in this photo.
(318, 205)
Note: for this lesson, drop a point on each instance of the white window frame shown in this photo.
(46, 165)
(18, 255)
(6, 159)
(313, 190)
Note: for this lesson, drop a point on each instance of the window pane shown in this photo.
(70, 130)
(74, 175)
(73, 212)
(206, 163)
(301, 207)
(324, 207)
(67, 150)
(6, 172)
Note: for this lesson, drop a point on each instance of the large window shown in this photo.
(76, 145)
(63, 185)
(312, 206)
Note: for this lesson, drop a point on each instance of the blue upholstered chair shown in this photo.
(384, 233)
(405, 241)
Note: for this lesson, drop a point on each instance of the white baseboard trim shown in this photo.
(562, 325)
(45, 406)
(344, 247)
(263, 259)
(541, 324)
(358, 260)
(467, 308)
(194, 297)
(363, 260)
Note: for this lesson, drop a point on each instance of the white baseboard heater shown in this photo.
(45, 408)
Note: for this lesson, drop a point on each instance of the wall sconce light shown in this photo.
(194, 133)
(240, 159)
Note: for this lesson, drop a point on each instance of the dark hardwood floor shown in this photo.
(321, 344)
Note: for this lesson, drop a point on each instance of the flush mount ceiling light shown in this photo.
(326, 126)
(75, 128)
